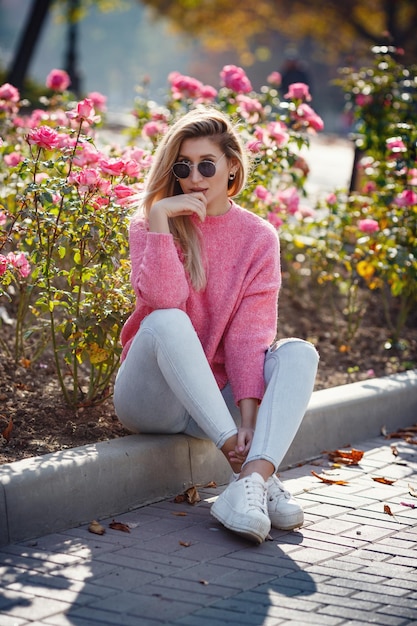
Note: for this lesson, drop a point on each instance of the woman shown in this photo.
(196, 351)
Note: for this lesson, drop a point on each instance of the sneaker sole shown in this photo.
(290, 523)
(256, 534)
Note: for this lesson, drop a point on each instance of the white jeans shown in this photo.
(165, 385)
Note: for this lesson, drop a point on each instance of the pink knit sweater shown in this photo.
(235, 316)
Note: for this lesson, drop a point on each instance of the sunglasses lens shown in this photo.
(207, 169)
(181, 170)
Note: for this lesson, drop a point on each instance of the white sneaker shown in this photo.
(284, 511)
(242, 508)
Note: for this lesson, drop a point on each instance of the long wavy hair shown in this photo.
(161, 182)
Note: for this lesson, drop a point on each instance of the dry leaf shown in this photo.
(96, 528)
(412, 491)
(211, 485)
(383, 481)
(349, 457)
(124, 528)
(190, 495)
(328, 481)
(25, 362)
(7, 432)
(179, 513)
(186, 544)
(387, 510)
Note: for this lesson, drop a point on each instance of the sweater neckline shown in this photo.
(211, 219)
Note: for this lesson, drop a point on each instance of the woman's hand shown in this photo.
(174, 206)
(244, 441)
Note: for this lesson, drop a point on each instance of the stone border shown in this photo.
(62, 490)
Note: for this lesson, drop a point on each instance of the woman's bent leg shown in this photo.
(166, 382)
(290, 372)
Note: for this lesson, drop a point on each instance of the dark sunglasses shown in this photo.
(207, 169)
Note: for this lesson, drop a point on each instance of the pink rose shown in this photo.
(58, 80)
(207, 92)
(13, 159)
(306, 113)
(289, 198)
(86, 155)
(86, 180)
(262, 193)
(275, 220)
(396, 144)
(331, 199)
(408, 197)
(250, 108)
(131, 168)
(112, 167)
(278, 132)
(363, 100)
(235, 79)
(275, 79)
(298, 91)
(44, 137)
(154, 129)
(3, 264)
(184, 86)
(8, 93)
(368, 225)
(19, 262)
(84, 112)
(254, 146)
(99, 101)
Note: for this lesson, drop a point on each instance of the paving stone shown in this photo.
(350, 565)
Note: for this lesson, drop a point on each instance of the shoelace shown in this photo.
(255, 493)
(276, 490)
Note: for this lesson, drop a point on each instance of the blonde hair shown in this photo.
(161, 182)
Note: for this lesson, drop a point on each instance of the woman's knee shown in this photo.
(163, 320)
(291, 353)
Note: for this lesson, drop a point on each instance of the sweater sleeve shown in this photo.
(157, 274)
(254, 324)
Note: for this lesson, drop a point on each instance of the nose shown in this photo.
(195, 174)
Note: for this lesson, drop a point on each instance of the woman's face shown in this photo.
(194, 151)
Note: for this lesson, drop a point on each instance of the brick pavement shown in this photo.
(351, 563)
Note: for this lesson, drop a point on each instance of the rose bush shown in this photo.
(65, 205)
(364, 242)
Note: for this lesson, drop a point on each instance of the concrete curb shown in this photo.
(58, 491)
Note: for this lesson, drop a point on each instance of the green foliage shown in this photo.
(367, 239)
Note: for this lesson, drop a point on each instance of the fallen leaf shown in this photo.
(387, 510)
(124, 528)
(394, 449)
(411, 506)
(7, 432)
(190, 495)
(412, 491)
(349, 457)
(328, 481)
(96, 528)
(383, 481)
(180, 513)
(25, 362)
(211, 485)
(186, 544)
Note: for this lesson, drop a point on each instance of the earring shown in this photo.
(231, 176)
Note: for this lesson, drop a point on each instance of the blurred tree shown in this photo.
(339, 27)
(71, 11)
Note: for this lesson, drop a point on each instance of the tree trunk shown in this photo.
(28, 41)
